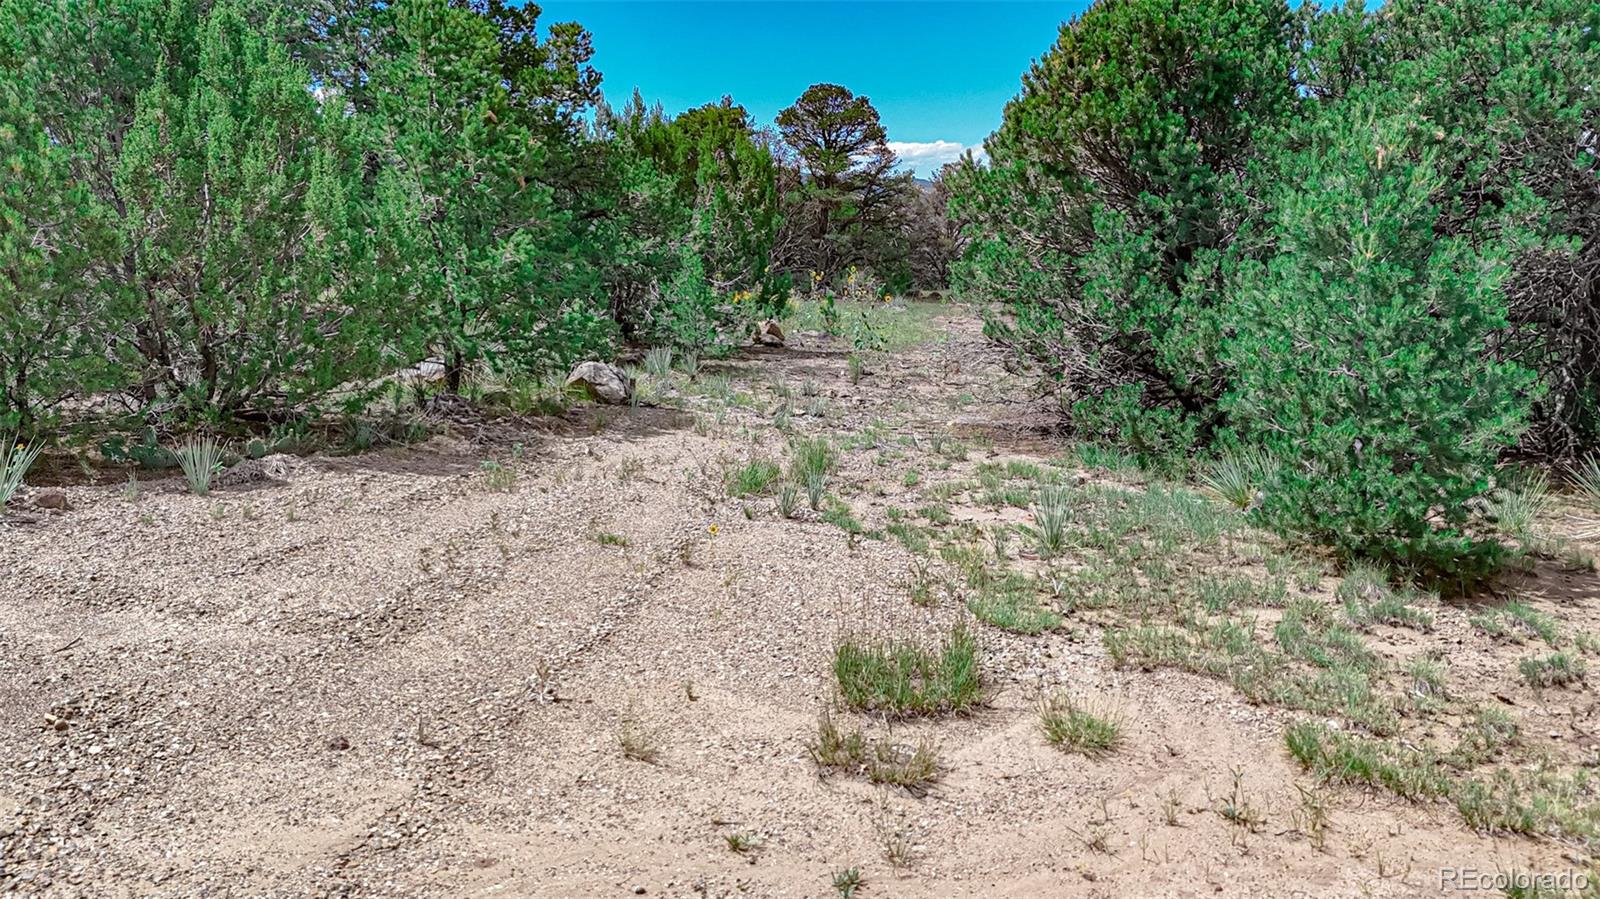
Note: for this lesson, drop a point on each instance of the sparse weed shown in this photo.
(1009, 602)
(1554, 670)
(1369, 600)
(742, 842)
(1516, 622)
(909, 766)
(496, 476)
(637, 741)
(1236, 808)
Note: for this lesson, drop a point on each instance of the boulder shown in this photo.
(769, 334)
(602, 382)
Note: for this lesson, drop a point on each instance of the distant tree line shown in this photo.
(214, 210)
(1361, 248)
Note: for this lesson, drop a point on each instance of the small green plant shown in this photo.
(857, 367)
(904, 678)
(1237, 809)
(131, 491)
(816, 489)
(742, 842)
(1516, 507)
(753, 478)
(847, 881)
(1554, 670)
(607, 538)
(15, 460)
(1079, 727)
(200, 458)
(911, 767)
(788, 499)
(497, 476)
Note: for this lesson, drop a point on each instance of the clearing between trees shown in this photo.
(806, 622)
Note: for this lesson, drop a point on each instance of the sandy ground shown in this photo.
(375, 676)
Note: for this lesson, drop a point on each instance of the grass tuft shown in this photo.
(753, 478)
(1554, 670)
(911, 767)
(1079, 727)
(903, 678)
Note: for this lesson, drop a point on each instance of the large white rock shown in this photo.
(602, 382)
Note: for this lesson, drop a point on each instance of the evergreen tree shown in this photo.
(842, 208)
(234, 220)
(1359, 353)
(493, 270)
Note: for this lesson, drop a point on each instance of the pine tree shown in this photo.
(1359, 353)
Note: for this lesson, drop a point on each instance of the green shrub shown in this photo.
(1115, 183)
(1361, 355)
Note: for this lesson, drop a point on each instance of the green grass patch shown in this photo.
(905, 678)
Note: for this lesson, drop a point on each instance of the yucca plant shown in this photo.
(201, 460)
(788, 499)
(15, 460)
(1052, 512)
(816, 488)
(658, 361)
(1237, 477)
(1516, 507)
(1586, 477)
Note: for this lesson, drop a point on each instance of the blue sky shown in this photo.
(939, 72)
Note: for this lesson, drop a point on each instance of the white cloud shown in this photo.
(925, 157)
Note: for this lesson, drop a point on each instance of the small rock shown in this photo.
(638, 891)
(602, 382)
(338, 744)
